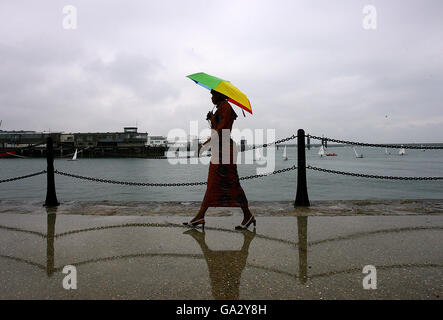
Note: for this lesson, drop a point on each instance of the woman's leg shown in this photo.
(246, 214)
(200, 214)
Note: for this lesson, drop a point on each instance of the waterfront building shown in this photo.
(129, 143)
(157, 141)
(21, 139)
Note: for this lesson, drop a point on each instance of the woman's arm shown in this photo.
(200, 147)
(206, 142)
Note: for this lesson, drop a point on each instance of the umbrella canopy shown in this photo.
(225, 87)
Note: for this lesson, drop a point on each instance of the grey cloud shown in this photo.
(134, 72)
(303, 64)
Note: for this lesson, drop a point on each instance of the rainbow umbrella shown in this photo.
(225, 87)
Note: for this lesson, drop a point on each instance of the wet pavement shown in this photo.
(302, 255)
(268, 208)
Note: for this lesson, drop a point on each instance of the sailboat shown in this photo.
(258, 157)
(285, 157)
(74, 157)
(356, 154)
(402, 151)
(321, 152)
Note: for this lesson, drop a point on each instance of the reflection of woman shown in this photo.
(223, 188)
(225, 266)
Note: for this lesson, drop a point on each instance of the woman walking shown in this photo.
(223, 188)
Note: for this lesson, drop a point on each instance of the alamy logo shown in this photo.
(70, 18)
(370, 281)
(222, 148)
(370, 18)
(70, 280)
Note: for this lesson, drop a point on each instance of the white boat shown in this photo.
(74, 157)
(285, 157)
(357, 155)
(321, 152)
(402, 151)
(386, 151)
(259, 158)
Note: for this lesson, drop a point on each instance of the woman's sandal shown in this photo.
(245, 226)
(194, 224)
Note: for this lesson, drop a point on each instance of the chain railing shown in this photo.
(163, 184)
(301, 196)
(127, 183)
(269, 174)
(361, 175)
(23, 177)
(265, 145)
(150, 184)
(372, 176)
(392, 146)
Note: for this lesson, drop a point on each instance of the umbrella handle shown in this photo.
(243, 113)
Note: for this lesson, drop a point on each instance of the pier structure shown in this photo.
(129, 143)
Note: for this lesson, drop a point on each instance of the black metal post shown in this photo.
(51, 197)
(301, 198)
(302, 223)
(50, 236)
(242, 145)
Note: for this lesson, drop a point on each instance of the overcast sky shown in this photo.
(303, 64)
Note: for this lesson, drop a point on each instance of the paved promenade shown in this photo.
(293, 254)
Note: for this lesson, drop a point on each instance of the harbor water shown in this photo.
(282, 186)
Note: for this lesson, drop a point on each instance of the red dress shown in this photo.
(223, 189)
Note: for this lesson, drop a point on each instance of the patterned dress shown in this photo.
(223, 189)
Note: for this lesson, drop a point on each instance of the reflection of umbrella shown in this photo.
(225, 87)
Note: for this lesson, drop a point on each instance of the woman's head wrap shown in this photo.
(219, 96)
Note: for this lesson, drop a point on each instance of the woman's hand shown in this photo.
(202, 145)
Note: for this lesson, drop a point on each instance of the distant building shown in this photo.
(21, 139)
(157, 141)
(130, 142)
(129, 138)
(67, 138)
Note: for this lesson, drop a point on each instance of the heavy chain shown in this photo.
(371, 175)
(394, 146)
(147, 184)
(141, 184)
(246, 149)
(271, 143)
(23, 177)
(271, 173)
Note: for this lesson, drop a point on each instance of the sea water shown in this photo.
(282, 186)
